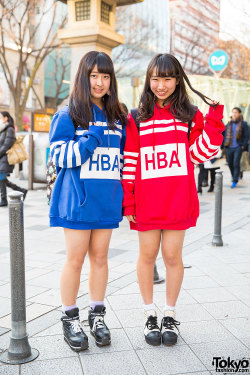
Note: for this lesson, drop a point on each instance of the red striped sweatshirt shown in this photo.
(158, 175)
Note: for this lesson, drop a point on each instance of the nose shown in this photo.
(161, 85)
(99, 81)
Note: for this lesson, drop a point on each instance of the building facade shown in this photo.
(195, 26)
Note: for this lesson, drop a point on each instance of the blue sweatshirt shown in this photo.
(87, 193)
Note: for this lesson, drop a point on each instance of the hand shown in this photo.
(131, 218)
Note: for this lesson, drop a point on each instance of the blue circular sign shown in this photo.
(218, 60)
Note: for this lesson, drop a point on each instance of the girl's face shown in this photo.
(3, 119)
(162, 87)
(99, 85)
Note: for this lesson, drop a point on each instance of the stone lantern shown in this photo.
(91, 26)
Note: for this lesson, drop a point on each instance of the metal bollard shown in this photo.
(19, 349)
(157, 278)
(217, 238)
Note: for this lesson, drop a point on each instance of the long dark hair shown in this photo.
(80, 106)
(180, 106)
(10, 119)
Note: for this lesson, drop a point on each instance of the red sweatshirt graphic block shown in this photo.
(158, 175)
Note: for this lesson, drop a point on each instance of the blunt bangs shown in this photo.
(104, 64)
(165, 67)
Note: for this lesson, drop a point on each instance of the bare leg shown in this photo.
(149, 247)
(77, 243)
(172, 243)
(98, 257)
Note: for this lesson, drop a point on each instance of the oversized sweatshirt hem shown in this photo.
(59, 222)
(178, 225)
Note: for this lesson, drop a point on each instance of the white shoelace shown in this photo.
(76, 326)
(98, 322)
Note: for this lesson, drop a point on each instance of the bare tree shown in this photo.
(140, 41)
(58, 89)
(30, 28)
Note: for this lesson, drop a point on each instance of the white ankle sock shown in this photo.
(151, 306)
(93, 304)
(169, 308)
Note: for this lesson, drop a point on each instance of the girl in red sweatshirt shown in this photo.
(160, 196)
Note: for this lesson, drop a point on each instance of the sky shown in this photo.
(235, 20)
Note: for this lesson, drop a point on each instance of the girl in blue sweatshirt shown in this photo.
(86, 141)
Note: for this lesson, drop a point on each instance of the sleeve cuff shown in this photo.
(130, 210)
(215, 113)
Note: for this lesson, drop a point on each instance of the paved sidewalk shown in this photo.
(213, 307)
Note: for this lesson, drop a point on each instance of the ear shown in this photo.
(108, 92)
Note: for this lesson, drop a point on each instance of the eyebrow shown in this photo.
(99, 73)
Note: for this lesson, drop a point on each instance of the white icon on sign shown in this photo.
(218, 60)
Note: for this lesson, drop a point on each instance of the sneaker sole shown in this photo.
(170, 342)
(75, 348)
(153, 342)
(100, 344)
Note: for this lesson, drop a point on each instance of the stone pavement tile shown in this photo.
(134, 318)
(231, 348)
(228, 309)
(124, 280)
(231, 279)
(246, 341)
(5, 304)
(170, 360)
(239, 327)
(46, 281)
(32, 312)
(9, 370)
(119, 342)
(206, 331)
(192, 313)
(54, 330)
(197, 373)
(35, 272)
(122, 363)
(183, 299)
(4, 271)
(30, 290)
(114, 276)
(3, 330)
(242, 267)
(51, 297)
(51, 347)
(62, 366)
(241, 292)
(193, 271)
(198, 282)
(122, 302)
(137, 339)
(132, 288)
(211, 295)
(43, 322)
(124, 268)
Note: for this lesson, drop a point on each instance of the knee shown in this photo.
(98, 259)
(148, 257)
(172, 260)
(76, 262)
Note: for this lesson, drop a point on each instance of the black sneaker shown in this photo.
(98, 328)
(152, 331)
(73, 331)
(169, 328)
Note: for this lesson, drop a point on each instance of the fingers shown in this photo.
(131, 218)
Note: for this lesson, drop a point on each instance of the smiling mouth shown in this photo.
(160, 93)
(98, 90)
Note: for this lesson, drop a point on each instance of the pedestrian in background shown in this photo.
(235, 141)
(7, 139)
(86, 142)
(160, 196)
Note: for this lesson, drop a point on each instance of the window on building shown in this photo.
(82, 9)
(105, 12)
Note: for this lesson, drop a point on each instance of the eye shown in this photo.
(93, 75)
(107, 77)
